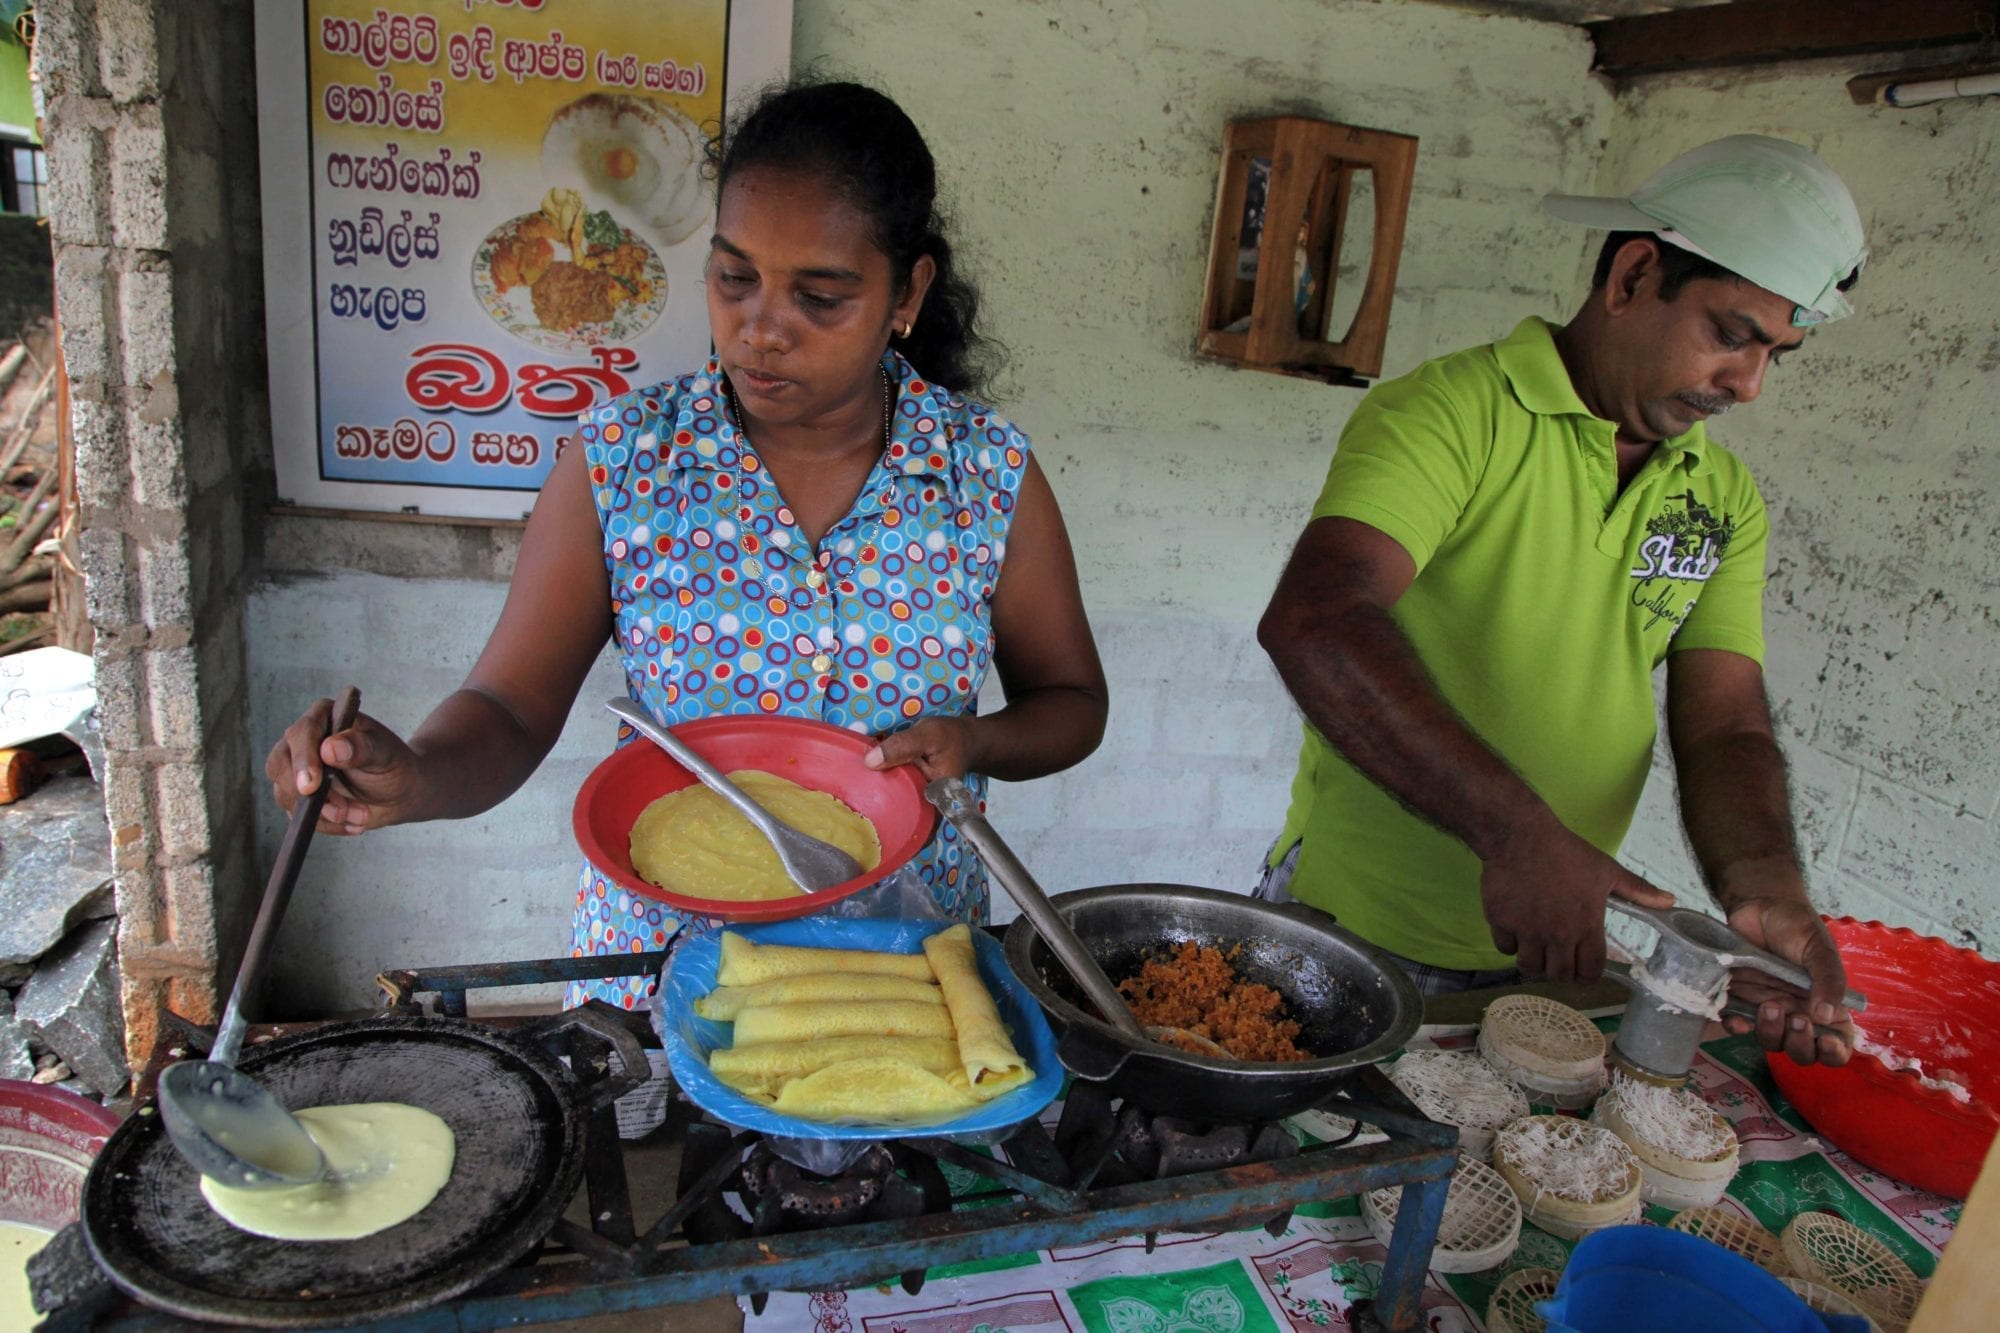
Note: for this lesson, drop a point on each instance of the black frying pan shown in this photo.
(517, 1113)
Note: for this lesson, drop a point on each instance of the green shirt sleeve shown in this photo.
(1730, 612)
(1406, 464)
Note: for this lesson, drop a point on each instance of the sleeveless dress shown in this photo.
(722, 606)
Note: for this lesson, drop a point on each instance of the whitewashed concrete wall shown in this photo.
(1079, 143)
(1877, 455)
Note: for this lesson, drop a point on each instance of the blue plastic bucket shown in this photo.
(1640, 1279)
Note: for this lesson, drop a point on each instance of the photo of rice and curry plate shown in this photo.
(584, 270)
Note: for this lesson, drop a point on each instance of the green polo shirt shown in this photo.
(1543, 600)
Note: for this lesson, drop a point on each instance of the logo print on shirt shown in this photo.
(1685, 545)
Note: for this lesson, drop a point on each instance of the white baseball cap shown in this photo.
(1767, 210)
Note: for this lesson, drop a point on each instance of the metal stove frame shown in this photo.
(614, 1266)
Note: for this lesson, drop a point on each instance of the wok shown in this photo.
(1353, 1005)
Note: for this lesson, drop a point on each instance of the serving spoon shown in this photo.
(956, 803)
(813, 865)
(225, 1123)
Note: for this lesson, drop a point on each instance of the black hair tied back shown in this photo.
(863, 145)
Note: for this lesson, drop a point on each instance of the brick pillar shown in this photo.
(149, 109)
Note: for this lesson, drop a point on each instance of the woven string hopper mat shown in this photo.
(1553, 1051)
(1737, 1234)
(1687, 1152)
(1481, 1224)
(1572, 1178)
(1512, 1306)
(1833, 1252)
(1460, 1088)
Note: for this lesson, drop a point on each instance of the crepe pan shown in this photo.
(1353, 1005)
(518, 1116)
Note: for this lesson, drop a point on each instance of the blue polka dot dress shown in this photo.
(721, 605)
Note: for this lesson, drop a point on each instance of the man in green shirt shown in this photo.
(1510, 540)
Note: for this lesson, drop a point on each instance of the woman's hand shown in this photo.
(378, 781)
(940, 747)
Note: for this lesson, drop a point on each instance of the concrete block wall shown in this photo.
(149, 111)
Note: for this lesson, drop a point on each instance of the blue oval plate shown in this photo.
(689, 1038)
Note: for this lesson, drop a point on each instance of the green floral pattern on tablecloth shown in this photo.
(1309, 1277)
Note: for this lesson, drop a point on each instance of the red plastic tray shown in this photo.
(813, 754)
(1928, 1000)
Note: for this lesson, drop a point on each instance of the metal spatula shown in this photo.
(812, 864)
(228, 1125)
(954, 800)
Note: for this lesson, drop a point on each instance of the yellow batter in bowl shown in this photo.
(692, 842)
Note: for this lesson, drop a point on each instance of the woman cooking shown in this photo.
(814, 524)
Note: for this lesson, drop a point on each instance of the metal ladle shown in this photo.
(956, 803)
(812, 864)
(225, 1123)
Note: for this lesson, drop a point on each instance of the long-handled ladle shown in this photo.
(955, 802)
(224, 1122)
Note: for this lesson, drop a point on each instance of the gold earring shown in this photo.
(907, 327)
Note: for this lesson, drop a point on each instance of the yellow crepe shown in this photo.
(724, 1002)
(385, 1162)
(850, 1018)
(884, 1090)
(745, 962)
(759, 1071)
(692, 841)
(992, 1065)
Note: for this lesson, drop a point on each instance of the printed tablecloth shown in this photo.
(1307, 1278)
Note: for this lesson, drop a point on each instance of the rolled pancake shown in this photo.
(724, 1002)
(876, 1090)
(760, 1070)
(693, 842)
(746, 963)
(853, 1018)
(992, 1065)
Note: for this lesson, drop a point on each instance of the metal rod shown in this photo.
(1399, 1303)
(850, 1256)
(955, 802)
(537, 971)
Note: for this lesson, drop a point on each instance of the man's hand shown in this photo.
(940, 747)
(1544, 894)
(1791, 929)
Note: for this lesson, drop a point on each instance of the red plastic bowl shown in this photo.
(813, 754)
(1937, 1004)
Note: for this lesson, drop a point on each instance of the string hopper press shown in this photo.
(1682, 985)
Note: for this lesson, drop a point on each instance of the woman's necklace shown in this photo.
(888, 409)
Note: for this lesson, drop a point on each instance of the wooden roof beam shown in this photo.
(1755, 32)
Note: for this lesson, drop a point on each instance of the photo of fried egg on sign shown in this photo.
(635, 157)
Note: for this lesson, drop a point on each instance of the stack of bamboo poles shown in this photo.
(29, 501)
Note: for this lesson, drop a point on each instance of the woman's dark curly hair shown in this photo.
(862, 144)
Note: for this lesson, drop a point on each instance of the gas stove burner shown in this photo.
(1108, 1143)
(1181, 1148)
(770, 1183)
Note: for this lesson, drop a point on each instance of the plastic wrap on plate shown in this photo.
(690, 1038)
